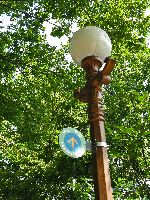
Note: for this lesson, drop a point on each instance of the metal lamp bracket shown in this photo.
(101, 144)
(91, 146)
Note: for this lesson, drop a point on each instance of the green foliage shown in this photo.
(37, 85)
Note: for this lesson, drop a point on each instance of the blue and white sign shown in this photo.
(72, 142)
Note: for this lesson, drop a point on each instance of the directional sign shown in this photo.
(72, 142)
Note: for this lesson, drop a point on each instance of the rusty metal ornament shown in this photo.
(94, 77)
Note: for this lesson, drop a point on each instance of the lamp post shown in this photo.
(90, 47)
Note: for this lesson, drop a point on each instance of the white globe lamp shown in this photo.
(90, 41)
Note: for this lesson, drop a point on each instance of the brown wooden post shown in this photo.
(92, 94)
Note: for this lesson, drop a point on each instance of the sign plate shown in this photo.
(72, 142)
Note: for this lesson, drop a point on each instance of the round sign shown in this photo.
(72, 142)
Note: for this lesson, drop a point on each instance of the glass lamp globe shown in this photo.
(90, 41)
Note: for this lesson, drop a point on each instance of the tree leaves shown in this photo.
(37, 85)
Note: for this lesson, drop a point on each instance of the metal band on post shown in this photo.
(101, 144)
